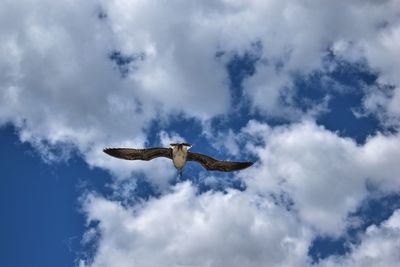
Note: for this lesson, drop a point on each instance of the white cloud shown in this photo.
(180, 71)
(169, 138)
(325, 175)
(293, 35)
(379, 246)
(378, 48)
(226, 140)
(58, 86)
(320, 175)
(185, 229)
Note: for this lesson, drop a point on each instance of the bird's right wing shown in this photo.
(139, 154)
(212, 164)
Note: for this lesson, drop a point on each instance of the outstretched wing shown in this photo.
(212, 164)
(139, 154)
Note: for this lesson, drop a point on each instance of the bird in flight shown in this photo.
(179, 154)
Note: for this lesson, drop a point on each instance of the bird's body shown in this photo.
(180, 155)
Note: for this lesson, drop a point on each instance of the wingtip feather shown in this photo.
(108, 151)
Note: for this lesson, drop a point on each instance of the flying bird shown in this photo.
(180, 155)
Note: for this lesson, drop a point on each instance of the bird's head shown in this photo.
(181, 146)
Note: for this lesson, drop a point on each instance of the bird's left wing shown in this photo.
(139, 154)
(212, 164)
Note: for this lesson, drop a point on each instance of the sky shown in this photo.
(308, 90)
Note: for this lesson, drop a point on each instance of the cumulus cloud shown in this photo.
(60, 86)
(184, 228)
(379, 246)
(377, 46)
(296, 37)
(306, 183)
(324, 174)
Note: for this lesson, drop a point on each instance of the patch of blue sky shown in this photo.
(344, 86)
(240, 67)
(125, 63)
(188, 128)
(346, 100)
(372, 211)
(323, 247)
(41, 223)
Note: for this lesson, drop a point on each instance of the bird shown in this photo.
(179, 154)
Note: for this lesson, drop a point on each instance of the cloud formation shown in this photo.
(306, 184)
(379, 246)
(304, 160)
(79, 76)
(183, 228)
(59, 84)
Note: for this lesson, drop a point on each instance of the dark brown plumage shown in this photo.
(207, 162)
(139, 154)
(212, 164)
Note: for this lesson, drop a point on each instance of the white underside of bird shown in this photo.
(179, 155)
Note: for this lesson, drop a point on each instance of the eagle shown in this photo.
(180, 155)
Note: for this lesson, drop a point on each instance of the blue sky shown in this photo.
(309, 90)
